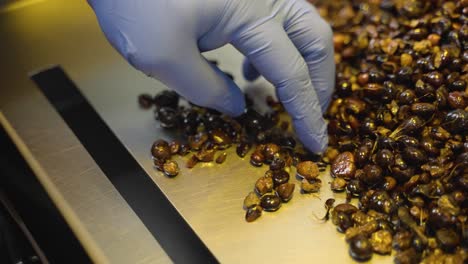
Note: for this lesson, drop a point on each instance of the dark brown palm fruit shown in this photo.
(380, 201)
(205, 155)
(406, 97)
(354, 188)
(264, 185)
(429, 146)
(456, 121)
(360, 248)
(280, 177)
(385, 142)
(402, 240)
(376, 76)
(196, 141)
(366, 229)
(362, 155)
(161, 150)
(457, 85)
(174, 147)
(389, 184)
(428, 96)
(168, 117)
(363, 78)
(384, 158)
(158, 164)
(360, 218)
(439, 133)
(368, 126)
(440, 218)
(269, 173)
(341, 216)
(270, 202)
(287, 142)
(346, 145)
(408, 126)
(407, 141)
(425, 91)
(373, 90)
(171, 168)
(277, 164)
(253, 213)
(311, 186)
(408, 256)
(344, 166)
(338, 184)
(457, 100)
(307, 170)
(253, 121)
(342, 221)
(423, 109)
(330, 155)
(414, 155)
(243, 148)
(257, 159)
(434, 78)
(251, 200)
(270, 152)
(372, 174)
(221, 139)
(403, 112)
(384, 224)
(166, 99)
(354, 106)
(184, 149)
(403, 76)
(346, 208)
(145, 101)
(344, 88)
(447, 239)
(191, 162)
(285, 191)
(221, 158)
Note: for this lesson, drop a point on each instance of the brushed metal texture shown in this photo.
(48, 33)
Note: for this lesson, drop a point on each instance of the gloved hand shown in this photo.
(286, 41)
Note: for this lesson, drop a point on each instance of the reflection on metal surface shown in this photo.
(141, 194)
(69, 27)
(17, 5)
(77, 226)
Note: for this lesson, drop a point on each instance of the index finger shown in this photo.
(269, 49)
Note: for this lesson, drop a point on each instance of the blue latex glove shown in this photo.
(285, 40)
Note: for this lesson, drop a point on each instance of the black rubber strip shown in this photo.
(36, 209)
(168, 227)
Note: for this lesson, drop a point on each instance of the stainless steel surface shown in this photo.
(50, 32)
(209, 197)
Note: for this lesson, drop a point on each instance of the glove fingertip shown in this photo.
(317, 144)
(233, 104)
(232, 108)
(314, 137)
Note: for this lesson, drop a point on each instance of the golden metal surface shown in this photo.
(209, 197)
(50, 32)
